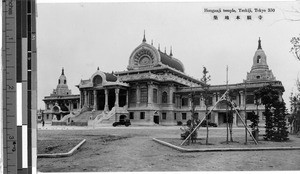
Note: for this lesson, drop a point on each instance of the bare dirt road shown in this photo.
(117, 149)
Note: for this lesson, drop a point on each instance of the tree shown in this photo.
(275, 112)
(205, 79)
(295, 41)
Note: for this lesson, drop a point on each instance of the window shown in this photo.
(154, 95)
(144, 94)
(164, 98)
(74, 105)
(250, 99)
(164, 116)
(142, 115)
(65, 81)
(183, 116)
(47, 116)
(132, 95)
(131, 115)
(97, 80)
(257, 77)
(184, 102)
(174, 116)
(258, 59)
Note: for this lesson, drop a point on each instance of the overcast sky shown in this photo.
(81, 37)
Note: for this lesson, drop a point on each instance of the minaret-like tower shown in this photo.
(62, 87)
(260, 69)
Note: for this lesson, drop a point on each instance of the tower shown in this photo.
(260, 70)
(62, 87)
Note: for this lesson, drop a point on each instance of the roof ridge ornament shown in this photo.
(171, 54)
(165, 50)
(158, 47)
(152, 42)
(62, 71)
(98, 68)
(259, 44)
(144, 39)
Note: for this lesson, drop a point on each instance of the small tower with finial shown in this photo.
(259, 44)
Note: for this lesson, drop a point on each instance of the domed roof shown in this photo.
(110, 77)
(171, 62)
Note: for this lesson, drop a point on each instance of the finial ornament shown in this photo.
(152, 42)
(165, 50)
(158, 47)
(144, 39)
(62, 71)
(98, 68)
(171, 54)
(259, 44)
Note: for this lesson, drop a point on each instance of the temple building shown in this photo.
(61, 102)
(156, 90)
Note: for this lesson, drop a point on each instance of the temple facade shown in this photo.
(156, 90)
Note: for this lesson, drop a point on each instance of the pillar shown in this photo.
(127, 97)
(214, 99)
(106, 100)
(150, 93)
(95, 100)
(80, 99)
(171, 91)
(242, 98)
(217, 118)
(234, 119)
(202, 104)
(85, 98)
(117, 90)
(138, 97)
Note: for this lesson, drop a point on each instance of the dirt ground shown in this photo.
(116, 149)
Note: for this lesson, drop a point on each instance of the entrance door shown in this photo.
(156, 119)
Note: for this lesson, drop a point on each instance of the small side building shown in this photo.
(60, 102)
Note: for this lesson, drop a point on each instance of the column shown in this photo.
(85, 98)
(171, 90)
(234, 119)
(138, 97)
(95, 100)
(106, 100)
(242, 100)
(150, 93)
(80, 99)
(217, 118)
(214, 99)
(127, 98)
(117, 90)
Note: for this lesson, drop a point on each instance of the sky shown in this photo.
(83, 36)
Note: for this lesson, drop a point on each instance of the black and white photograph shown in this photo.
(168, 86)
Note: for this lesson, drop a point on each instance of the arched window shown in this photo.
(258, 59)
(97, 80)
(164, 98)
